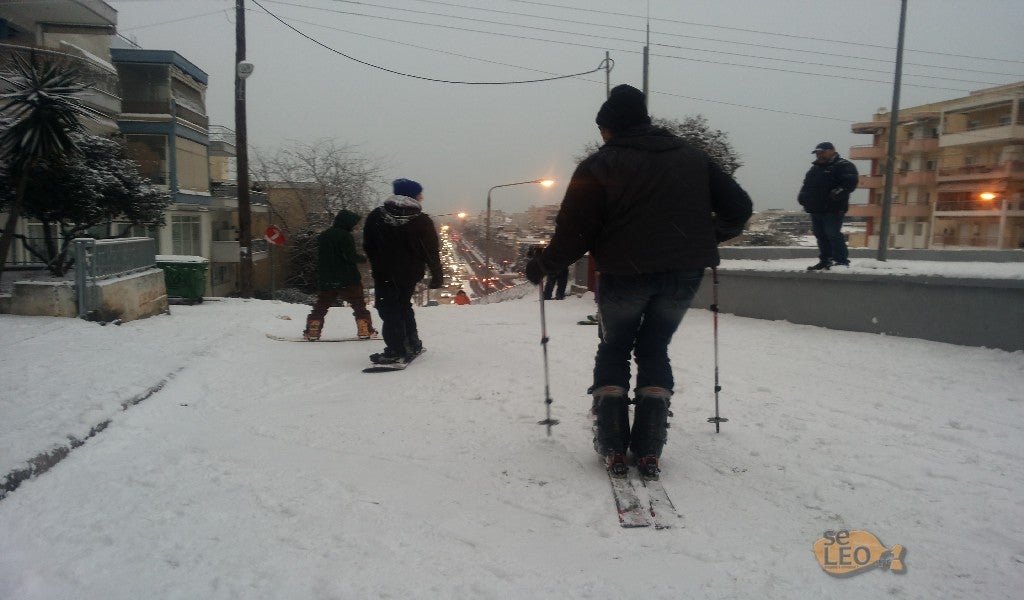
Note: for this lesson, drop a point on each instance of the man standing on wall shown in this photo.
(825, 194)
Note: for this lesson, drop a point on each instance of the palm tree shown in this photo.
(39, 96)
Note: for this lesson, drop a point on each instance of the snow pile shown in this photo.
(266, 469)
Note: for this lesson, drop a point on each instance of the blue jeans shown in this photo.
(827, 230)
(639, 314)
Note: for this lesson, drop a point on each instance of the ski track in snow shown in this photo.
(270, 470)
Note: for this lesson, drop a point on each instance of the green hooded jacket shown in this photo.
(338, 257)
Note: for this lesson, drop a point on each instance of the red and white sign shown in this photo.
(274, 235)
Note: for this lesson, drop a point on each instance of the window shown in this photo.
(1005, 120)
(193, 166)
(186, 237)
(901, 228)
(150, 153)
(929, 165)
(973, 124)
(969, 160)
(919, 228)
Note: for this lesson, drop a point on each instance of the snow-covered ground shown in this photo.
(265, 469)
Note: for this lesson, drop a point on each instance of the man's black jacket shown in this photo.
(646, 202)
(827, 186)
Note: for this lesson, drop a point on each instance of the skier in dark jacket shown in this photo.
(402, 243)
(651, 209)
(338, 277)
(825, 194)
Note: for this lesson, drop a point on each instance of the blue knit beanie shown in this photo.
(406, 187)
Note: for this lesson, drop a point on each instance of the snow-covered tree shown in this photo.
(75, 193)
(695, 130)
(39, 97)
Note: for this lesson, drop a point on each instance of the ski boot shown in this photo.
(312, 331)
(611, 427)
(650, 429)
(364, 329)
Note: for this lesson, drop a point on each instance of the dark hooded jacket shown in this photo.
(337, 254)
(647, 202)
(827, 186)
(401, 242)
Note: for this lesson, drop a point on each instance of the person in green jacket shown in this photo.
(338, 277)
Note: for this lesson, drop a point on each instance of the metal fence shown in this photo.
(104, 259)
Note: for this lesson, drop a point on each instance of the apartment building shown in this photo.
(959, 173)
(167, 131)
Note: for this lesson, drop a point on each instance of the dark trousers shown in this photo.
(398, 321)
(827, 228)
(639, 314)
(561, 279)
(325, 299)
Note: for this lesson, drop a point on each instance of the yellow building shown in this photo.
(959, 173)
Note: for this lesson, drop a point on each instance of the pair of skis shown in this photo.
(642, 502)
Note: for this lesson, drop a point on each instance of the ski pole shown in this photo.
(717, 420)
(544, 344)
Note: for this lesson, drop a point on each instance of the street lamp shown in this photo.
(487, 222)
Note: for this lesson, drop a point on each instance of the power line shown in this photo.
(616, 39)
(577, 44)
(801, 37)
(707, 39)
(696, 98)
(600, 66)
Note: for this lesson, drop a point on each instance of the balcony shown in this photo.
(1013, 169)
(867, 152)
(916, 178)
(1004, 134)
(918, 146)
(871, 182)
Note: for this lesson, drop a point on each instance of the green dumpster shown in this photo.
(185, 276)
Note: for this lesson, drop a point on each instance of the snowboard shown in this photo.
(388, 367)
(299, 338)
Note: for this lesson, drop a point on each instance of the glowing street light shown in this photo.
(487, 223)
(987, 196)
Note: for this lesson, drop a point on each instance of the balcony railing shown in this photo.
(918, 145)
(950, 240)
(1013, 169)
(867, 152)
(871, 182)
(916, 178)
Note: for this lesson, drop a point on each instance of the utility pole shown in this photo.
(242, 156)
(890, 161)
(647, 61)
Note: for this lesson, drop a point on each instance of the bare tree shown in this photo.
(314, 181)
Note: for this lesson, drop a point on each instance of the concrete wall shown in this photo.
(135, 296)
(970, 312)
(777, 252)
(44, 299)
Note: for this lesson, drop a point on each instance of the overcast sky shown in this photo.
(778, 76)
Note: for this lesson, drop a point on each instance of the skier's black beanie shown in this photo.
(625, 107)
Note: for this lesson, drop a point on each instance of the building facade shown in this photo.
(166, 128)
(959, 173)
